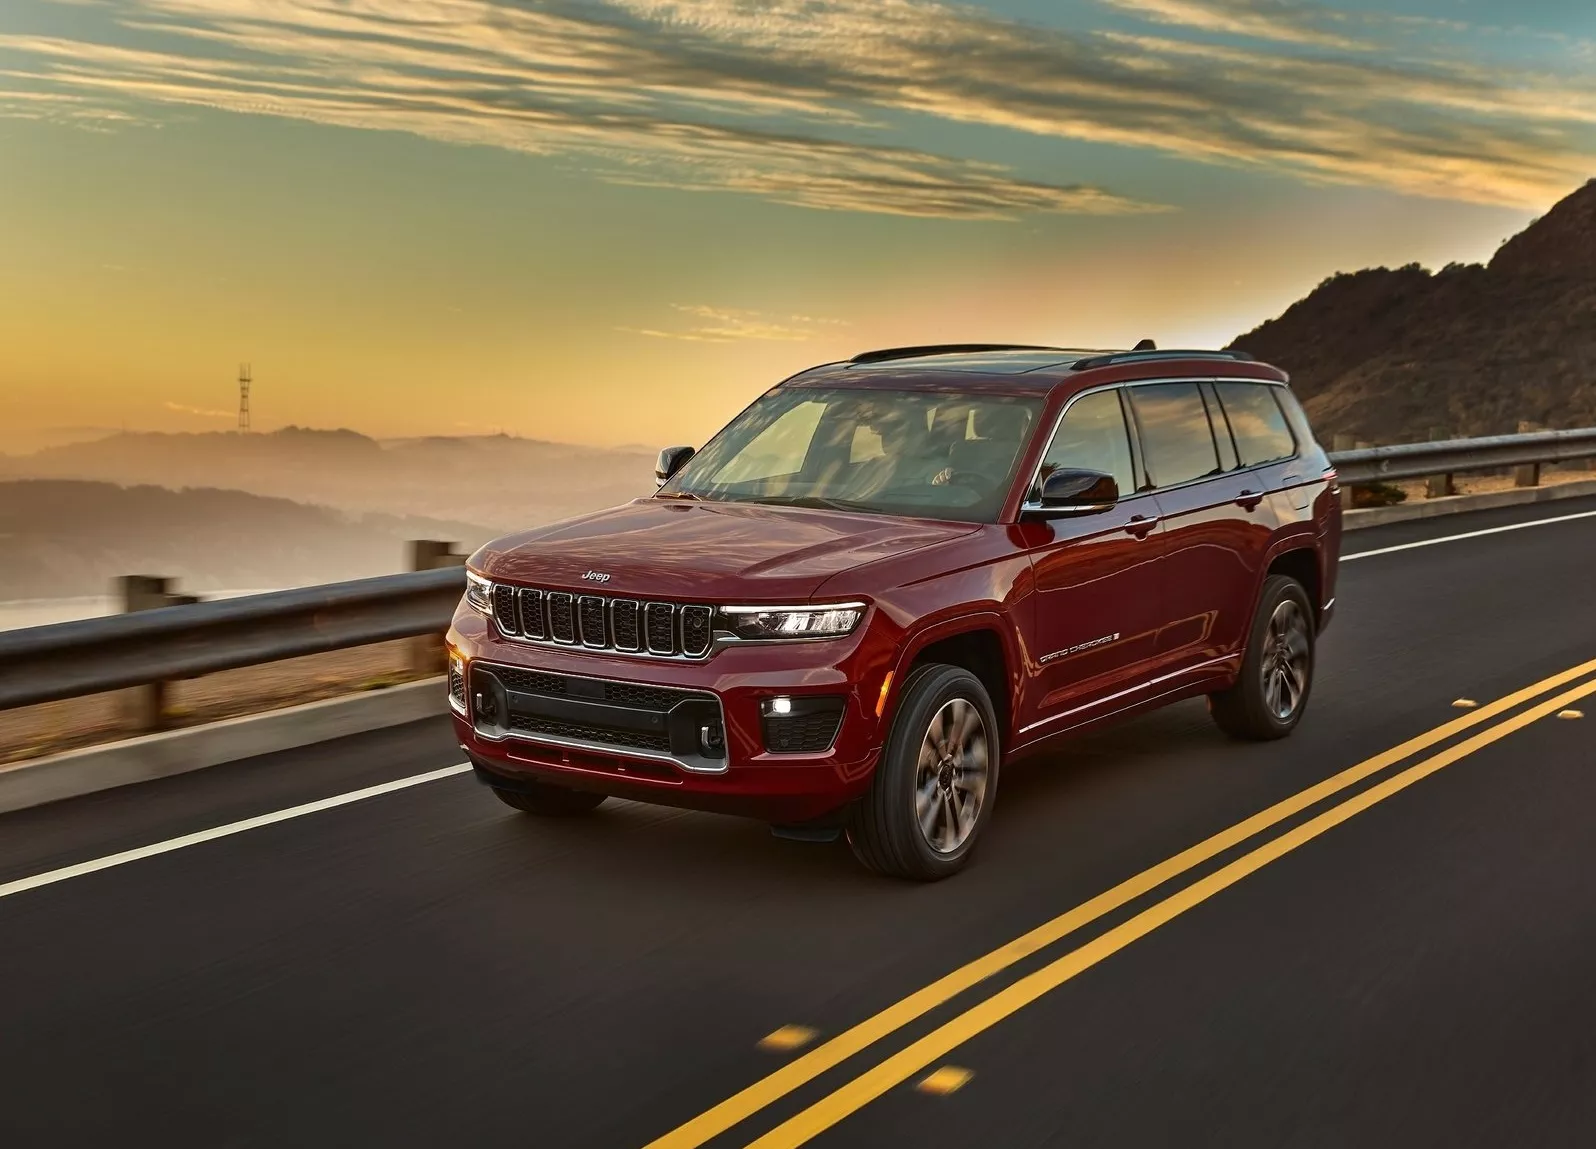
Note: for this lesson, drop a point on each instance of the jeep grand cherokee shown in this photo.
(890, 576)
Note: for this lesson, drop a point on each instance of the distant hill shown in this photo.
(68, 538)
(1388, 354)
(500, 481)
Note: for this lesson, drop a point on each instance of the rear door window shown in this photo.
(1261, 432)
(1177, 441)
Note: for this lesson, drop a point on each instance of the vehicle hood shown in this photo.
(678, 549)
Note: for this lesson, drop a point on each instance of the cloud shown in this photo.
(1277, 20)
(733, 325)
(797, 101)
(185, 409)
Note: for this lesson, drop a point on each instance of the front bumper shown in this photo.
(671, 760)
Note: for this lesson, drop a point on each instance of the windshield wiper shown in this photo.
(677, 495)
(814, 501)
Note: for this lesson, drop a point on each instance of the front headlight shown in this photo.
(790, 622)
(479, 593)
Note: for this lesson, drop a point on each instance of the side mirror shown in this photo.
(670, 461)
(1075, 491)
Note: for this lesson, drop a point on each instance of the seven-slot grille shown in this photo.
(628, 625)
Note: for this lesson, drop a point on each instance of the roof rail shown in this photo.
(941, 349)
(1142, 356)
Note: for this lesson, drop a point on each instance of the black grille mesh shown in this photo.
(531, 681)
(590, 613)
(696, 622)
(633, 739)
(457, 689)
(624, 625)
(504, 609)
(660, 622)
(562, 618)
(802, 733)
(532, 624)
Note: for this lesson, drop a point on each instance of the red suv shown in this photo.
(888, 577)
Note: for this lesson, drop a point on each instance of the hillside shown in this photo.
(1388, 354)
(500, 481)
(65, 538)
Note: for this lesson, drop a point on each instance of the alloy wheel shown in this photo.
(951, 775)
(1285, 662)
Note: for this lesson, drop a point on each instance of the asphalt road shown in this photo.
(1402, 957)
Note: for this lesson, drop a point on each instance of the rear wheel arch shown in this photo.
(1298, 561)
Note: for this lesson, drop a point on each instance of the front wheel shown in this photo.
(933, 788)
(1271, 692)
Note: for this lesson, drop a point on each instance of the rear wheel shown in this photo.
(933, 788)
(1271, 692)
(548, 801)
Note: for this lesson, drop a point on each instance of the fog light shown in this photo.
(778, 706)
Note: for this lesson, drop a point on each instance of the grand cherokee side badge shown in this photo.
(596, 576)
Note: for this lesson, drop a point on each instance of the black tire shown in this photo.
(1276, 677)
(885, 826)
(548, 801)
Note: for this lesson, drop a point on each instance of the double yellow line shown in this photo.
(902, 1065)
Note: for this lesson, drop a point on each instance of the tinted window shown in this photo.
(941, 454)
(1222, 439)
(1092, 435)
(1257, 423)
(1176, 439)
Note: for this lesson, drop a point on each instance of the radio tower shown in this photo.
(243, 398)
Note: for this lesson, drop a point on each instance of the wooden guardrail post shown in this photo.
(144, 707)
(427, 654)
(1438, 486)
(1527, 474)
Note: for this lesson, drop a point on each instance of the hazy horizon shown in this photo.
(617, 221)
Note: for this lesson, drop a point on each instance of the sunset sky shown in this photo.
(615, 221)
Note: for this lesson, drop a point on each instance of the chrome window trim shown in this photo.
(1026, 506)
(606, 747)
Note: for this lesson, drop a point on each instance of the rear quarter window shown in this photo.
(1257, 423)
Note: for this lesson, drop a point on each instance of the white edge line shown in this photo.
(1466, 535)
(80, 869)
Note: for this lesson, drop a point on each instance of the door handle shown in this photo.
(1248, 500)
(1141, 525)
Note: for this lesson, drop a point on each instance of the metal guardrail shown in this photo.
(1416, 460)
(68, 660)
(71, 659)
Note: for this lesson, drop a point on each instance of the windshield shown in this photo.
(920, 453)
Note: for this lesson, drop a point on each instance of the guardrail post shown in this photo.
(427, 654)
(1438, 486)
(1527, 474)
(144, 707)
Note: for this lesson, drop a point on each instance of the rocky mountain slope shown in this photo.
(1386, 355)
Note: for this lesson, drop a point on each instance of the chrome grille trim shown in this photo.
(592, 615)
(698, 629)
(533, 624)
(626, 617)
(665, 614)
(562, 617)
(635, 627)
